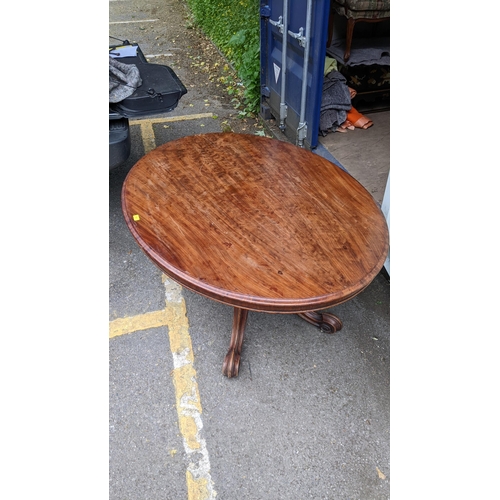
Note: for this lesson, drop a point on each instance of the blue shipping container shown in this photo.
(294, 32)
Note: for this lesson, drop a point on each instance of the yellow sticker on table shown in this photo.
(135, 217)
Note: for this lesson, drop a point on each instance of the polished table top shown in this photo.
(255, 223)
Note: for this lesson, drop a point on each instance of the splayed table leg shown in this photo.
(327, 322)
(231, 363)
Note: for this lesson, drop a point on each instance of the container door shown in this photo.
(293, 47)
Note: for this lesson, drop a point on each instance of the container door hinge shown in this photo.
(283, 115)
(265, 11)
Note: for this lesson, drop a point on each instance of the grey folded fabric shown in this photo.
(124, 79)
(331, 119)
(335, 101)
(364, 51)
(335, 92)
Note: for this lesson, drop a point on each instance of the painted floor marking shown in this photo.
(152, 56)
(173, 118)
(135, 21)
(148, 136)
(147, 132)
(122, 326)
(199, 482)
(188, 403)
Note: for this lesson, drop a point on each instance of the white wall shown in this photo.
(387, 212)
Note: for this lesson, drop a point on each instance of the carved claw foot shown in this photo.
(326, 322)
(231, 364)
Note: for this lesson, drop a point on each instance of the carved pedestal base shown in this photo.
(328, 323)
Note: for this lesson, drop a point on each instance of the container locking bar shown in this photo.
(304, 42)
(282, 24)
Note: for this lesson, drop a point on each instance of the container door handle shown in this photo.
(299, 36)
(279, 23)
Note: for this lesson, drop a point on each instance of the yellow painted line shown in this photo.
(147, 132)
(122, 326)
(148, 136)
(181, 118)
(187, 396)
(188, 403)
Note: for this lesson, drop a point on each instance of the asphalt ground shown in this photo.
(308, 415)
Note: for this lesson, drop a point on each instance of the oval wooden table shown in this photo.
(257, 224)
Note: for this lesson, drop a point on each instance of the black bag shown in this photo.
(160, 92)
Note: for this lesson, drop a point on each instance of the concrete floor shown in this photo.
(365, 154)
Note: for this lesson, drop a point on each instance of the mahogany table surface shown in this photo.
(255, 223)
